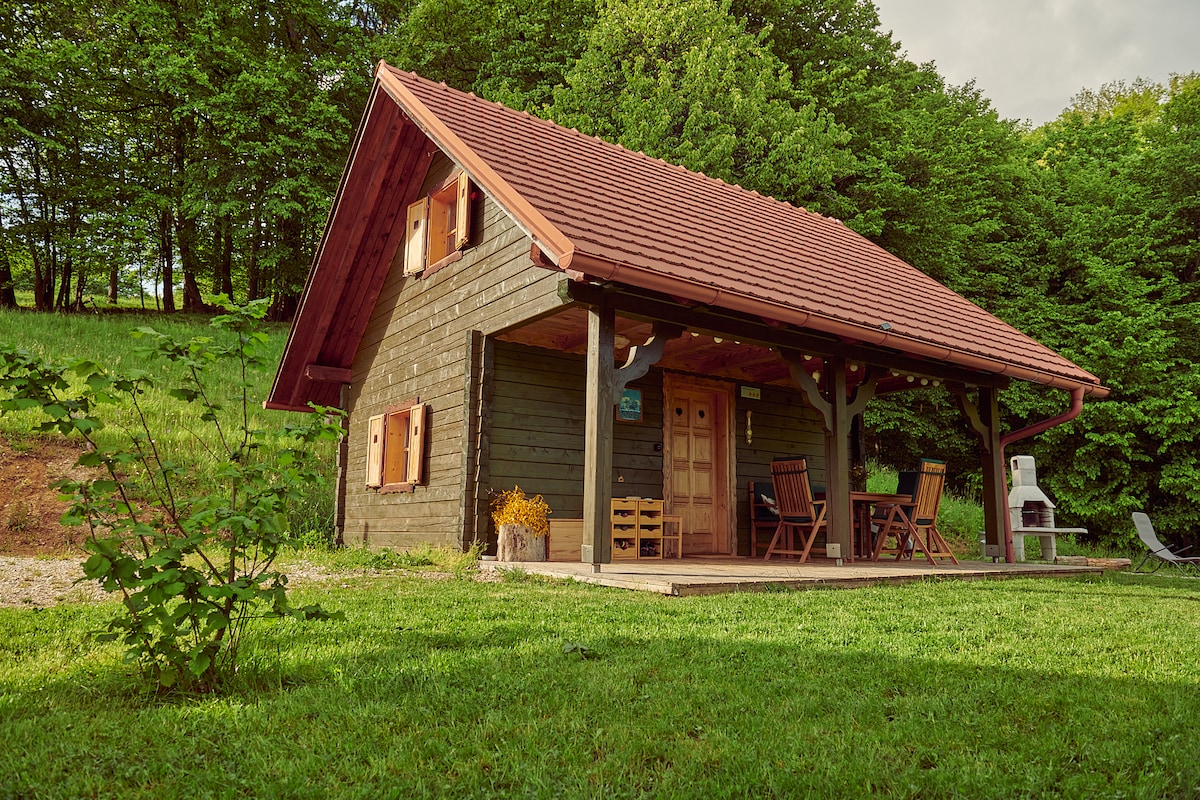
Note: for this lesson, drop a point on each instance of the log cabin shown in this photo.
(497, 300)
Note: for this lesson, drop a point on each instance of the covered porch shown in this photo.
(734, 355)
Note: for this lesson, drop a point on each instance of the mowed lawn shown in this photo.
(1084, 688)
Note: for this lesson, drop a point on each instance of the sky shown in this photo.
(1030, 57)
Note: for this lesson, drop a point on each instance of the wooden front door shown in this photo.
(696, 429)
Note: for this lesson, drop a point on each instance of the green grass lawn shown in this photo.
(453, 688)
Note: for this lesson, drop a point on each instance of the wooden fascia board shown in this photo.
(378, 249)
(544, 233)
(303, 342)
(360, 220)
(808, 334)
(272, 405)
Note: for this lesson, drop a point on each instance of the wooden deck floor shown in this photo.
(713, 575)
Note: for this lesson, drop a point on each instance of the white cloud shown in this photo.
(1030, 56)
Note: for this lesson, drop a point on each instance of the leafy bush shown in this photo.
(191, 570)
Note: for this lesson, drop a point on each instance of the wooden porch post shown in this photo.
(995, 485)
(598, 434)
(837, 461)
(984, 417)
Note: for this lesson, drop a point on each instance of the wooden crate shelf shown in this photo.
(639, 529)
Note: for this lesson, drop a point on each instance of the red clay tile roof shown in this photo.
(604, 211)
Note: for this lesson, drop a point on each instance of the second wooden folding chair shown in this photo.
(914, 527)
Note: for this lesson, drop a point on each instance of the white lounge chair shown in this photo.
(1159, 552)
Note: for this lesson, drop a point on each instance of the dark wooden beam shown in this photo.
(598, 439)
(984, 417)
(838, 515)
(322, 372)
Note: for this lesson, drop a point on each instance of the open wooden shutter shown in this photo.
(375, 451)
(415, 238)
(416, 444)
(462, 230)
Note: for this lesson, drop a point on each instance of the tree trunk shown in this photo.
(166, 259)
(517, 543)
(223, 257)
(114, 283)
(63, 301)
(80, 290)
(189, 257)
(8, 295)
(253, 291)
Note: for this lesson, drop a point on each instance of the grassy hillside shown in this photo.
(106, 339)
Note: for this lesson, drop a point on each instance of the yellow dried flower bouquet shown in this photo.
(512, 507)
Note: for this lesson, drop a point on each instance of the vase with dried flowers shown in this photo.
(521, 524)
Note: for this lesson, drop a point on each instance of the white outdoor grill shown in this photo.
(1031, 512)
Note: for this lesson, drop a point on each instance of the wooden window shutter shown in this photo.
(375, 451)
(415, 238)
(416, 443)
(463, 211)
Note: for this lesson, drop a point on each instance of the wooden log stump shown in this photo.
(517, 543)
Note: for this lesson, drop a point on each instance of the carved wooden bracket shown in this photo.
(864, 391)
(806, 382)
(644, 356)
(971, 411)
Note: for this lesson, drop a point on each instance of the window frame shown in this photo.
(438, 226)
(396, 447)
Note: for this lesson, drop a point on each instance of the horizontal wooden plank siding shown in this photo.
(537, 430)
(783, 424)
(418, 344)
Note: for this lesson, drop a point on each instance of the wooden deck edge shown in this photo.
(684, 589)
(674, 587)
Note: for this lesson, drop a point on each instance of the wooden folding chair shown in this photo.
(915, 527)
(797, 509)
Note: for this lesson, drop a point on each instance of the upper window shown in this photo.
(396, 448)
(438, 225)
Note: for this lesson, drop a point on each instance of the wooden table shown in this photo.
(861, 504)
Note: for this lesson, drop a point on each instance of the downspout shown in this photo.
(1071, 413)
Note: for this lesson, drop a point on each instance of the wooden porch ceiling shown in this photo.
(733, 349)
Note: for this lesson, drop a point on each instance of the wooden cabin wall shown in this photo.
(783, 424)
(536, 431)
(418, 344)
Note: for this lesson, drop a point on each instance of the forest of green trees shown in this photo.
(198, 144)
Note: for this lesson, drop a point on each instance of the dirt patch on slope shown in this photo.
(29, 508)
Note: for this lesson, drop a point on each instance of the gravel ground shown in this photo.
(45, 582)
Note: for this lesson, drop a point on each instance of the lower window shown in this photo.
(396, 448)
